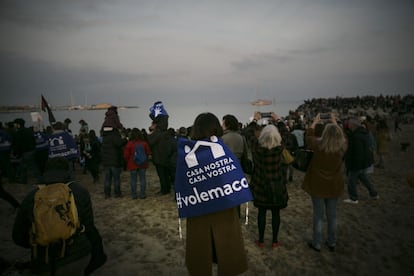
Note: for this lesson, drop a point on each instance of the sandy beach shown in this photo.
(141, 237)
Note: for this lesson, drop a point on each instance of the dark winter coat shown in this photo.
(268, 180)
(23, 141)
(112, 149)
(91, 150)
(359, 155)
(163, 148)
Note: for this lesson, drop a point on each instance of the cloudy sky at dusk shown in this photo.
(136, 52)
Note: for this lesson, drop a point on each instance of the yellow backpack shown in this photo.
(55, 217)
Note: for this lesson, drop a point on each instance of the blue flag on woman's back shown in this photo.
(208, 178)
(62, 144)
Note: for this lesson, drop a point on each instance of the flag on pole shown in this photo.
(45, 107)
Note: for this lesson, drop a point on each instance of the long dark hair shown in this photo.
(136, 135)
(231, 122)
(206, 125)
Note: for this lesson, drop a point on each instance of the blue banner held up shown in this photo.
(209, 178)
(158, 109)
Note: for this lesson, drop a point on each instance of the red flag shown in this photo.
(44, 105)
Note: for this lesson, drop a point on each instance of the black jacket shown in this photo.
(112, 149)
(359, 154)
(82, 243)
(23, 141)
(163, 148)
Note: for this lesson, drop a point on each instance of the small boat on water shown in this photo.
(262, 102)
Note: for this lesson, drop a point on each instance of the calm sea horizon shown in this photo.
(179, 115)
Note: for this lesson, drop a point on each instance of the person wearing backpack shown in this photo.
(82, 252)
(136, 154)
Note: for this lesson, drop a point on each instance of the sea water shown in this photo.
(179, 115)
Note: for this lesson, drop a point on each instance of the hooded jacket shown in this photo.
(359, 155)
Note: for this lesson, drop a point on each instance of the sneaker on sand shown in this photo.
(348, 200)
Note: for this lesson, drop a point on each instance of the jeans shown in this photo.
(115, 174)
(142, 180)
(319, 206)
(361, 175)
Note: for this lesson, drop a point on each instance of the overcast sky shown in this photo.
(134, 52)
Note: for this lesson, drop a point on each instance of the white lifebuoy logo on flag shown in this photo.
(216, 150)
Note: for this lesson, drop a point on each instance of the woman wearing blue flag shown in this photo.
(217, 236)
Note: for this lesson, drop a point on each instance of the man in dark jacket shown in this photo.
(163, 150)
(112, 151)
(163, 147)
(85, 252)
(23, 148)
(112, 160)
(358, 158)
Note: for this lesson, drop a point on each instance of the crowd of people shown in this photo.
(396, 106)
(346, 147)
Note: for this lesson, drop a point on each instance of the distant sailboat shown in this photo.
(262, 102)
(78, 107)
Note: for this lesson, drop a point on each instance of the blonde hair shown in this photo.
(270, 137)
(332, 139)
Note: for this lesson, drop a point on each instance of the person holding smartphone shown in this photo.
(324, 179)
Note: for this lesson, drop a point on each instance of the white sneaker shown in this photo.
(348, 200)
